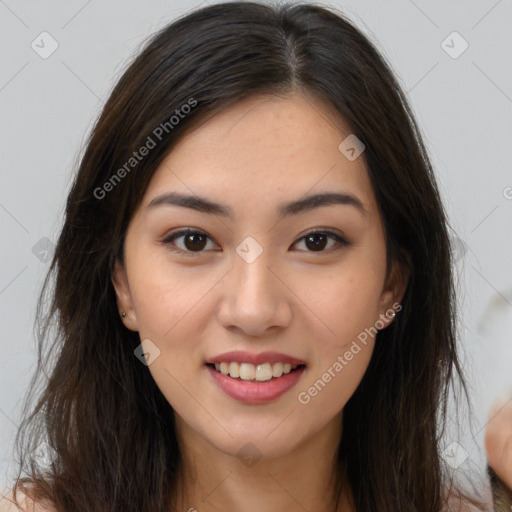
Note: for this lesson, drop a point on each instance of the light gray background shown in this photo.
(463, 105)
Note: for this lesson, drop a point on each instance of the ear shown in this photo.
(393, 292)
(123, 296)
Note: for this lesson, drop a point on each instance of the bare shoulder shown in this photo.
(457, 504)
(7, 503)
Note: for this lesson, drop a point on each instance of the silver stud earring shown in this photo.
(123, 314)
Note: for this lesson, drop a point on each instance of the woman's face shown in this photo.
(258, 275)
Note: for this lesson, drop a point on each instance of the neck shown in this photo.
(304, 479)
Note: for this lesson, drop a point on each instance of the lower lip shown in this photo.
(256, 392)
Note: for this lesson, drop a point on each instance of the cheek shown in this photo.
(166, 296)
(334, 380)
(342, 302)
(168, 307)
(349, 307)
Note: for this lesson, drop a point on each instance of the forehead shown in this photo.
(266, 147)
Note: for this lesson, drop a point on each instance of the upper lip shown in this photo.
(239, 356)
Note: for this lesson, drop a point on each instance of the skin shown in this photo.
(291, 299)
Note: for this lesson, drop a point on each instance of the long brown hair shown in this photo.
(110, 430)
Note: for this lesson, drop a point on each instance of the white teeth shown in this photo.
(234, 370)
(264, 372)
(261, 372)
(277, 369)
(247, 371)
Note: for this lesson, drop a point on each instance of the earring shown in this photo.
(123, 314)
(393, 314)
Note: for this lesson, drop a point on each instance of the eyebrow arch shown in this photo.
(310, 202)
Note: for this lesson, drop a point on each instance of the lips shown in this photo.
(238, 356)
(254, 392)
(275, 373)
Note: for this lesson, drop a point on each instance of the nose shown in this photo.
(255, 298)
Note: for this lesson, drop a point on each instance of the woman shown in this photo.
(252, 284)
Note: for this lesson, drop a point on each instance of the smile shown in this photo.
(254, 391)
(260, 372)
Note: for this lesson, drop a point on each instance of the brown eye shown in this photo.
(316, 241)
(193, 241)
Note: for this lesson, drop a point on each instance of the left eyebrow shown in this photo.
(310, 202)
(318, 200)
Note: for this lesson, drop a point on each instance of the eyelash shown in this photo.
(332, 234)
